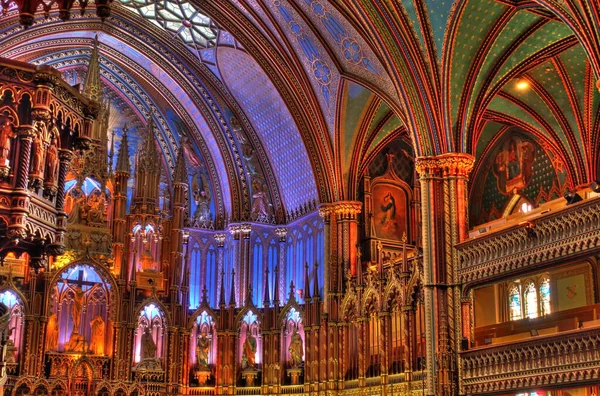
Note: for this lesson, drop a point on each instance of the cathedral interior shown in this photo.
(300, 197)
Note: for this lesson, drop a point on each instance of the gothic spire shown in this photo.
(232, 296)
(222, 294)
(316, 281)
(267, 299)
(180, 174)
(306, 283)
(123, 156)
(92, 88)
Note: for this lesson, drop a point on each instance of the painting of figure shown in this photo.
(389, 211)
(513, 165)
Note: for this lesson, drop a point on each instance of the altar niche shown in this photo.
(203, 347)
(78, 320)
(11, 299)
(149, 338)
(250, 347)
(293, 346)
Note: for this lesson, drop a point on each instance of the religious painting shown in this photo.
(571, 292)
(513, 165)
(389, 211)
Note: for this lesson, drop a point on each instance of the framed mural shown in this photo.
(513, 165)
(390, 211)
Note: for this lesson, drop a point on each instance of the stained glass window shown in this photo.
(531, 301)
(515, 303)
(545, 296)
(180, 18)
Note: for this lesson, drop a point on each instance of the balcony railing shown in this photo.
(570, 357)
(569, 233)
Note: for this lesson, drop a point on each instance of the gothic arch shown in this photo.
(157, 303)
(201, 309)
(105, 275)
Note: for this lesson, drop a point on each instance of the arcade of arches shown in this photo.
(300, 197)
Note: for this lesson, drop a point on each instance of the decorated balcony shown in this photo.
(538, 361)
(554, 232)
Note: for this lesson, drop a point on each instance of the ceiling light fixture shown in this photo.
(522, 84)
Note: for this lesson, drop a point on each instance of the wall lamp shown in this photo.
(572, 198)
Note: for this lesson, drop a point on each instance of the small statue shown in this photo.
(249, 354)
(52, 162)
(95, 214)
(52, 333)
(78, 212)
(97, 342)
(148, 345)
(201, 192)
(37, 160)
(295, 349)
(6, 134)
(202, 349)
(261, 208)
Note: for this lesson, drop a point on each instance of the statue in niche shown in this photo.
(95, 212)
(237, 130)
(78, 212)
(52, 333)
(248, 154)
(6, 134)
(97, 341)
(37, 159)
(249, 354)
(148, 347)
(295, 349)
(261, 208)
(52, 162)
(202, 349)
(201, 193)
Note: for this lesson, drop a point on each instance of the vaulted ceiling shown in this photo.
(299, 95)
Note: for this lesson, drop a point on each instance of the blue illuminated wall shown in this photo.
(304, 243)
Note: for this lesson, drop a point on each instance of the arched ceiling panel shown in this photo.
(318, 65)
(351, 51)
(273, 122)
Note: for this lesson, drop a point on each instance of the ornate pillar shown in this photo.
(246, 274)
(408, 339)
(385, 347)
(220, 239)
(26, 134)
(362, 351)
(444, 217)
(280, 278)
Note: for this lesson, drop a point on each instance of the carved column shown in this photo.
(444, 217)
(20, 198)
(280, 278)
(408, 338)
(362, 350)
(26, 134)
(220, 239)
(246, 274)
(385, 347)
